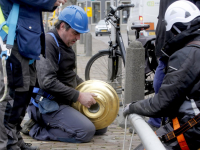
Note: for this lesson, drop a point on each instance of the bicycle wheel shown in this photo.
(103, 67)
(100, 67)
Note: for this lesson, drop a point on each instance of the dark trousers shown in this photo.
(21, 79)
(65, 125)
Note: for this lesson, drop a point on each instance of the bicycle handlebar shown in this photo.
(120, 7)
(114, 9)
(124, 6)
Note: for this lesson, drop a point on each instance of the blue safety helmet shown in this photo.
(76, 17)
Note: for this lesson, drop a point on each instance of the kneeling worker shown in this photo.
(52, 117)
(179, 96)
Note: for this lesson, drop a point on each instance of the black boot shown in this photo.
(27, 146)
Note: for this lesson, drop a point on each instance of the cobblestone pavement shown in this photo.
(112, 140)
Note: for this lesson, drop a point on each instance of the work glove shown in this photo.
(126, 110)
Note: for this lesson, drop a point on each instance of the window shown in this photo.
(95, 12)
(125, 14)
(108, 8)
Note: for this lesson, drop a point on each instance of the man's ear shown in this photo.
(62, 25)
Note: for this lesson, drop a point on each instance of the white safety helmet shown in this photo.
(180, 11)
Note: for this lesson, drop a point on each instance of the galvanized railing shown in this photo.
(149, 139)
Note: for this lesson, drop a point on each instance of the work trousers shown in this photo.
(66, 125)
(21, 79)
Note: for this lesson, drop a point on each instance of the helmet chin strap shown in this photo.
(189, 25)
(177, 30)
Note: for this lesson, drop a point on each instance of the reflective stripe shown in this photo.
(194, 106)
(165, 53)
(181, 140)
(172, 68)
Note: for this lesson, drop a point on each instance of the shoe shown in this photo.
(27, 146)
(27, 126)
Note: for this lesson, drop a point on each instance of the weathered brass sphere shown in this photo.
(104, 112)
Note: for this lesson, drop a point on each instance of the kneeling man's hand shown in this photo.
(87, 99)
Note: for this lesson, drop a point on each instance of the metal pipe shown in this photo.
(149, 139)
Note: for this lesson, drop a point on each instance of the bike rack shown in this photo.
(149, 139)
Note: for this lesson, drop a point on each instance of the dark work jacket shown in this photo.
(29, 32)
(179, 94)
(56, 76)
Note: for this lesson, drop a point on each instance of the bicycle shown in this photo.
(109, 65)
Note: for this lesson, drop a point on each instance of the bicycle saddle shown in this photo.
(140, 26)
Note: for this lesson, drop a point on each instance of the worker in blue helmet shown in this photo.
(52, 117)
(76, 17)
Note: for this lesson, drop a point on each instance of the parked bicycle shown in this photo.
(109, 65)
